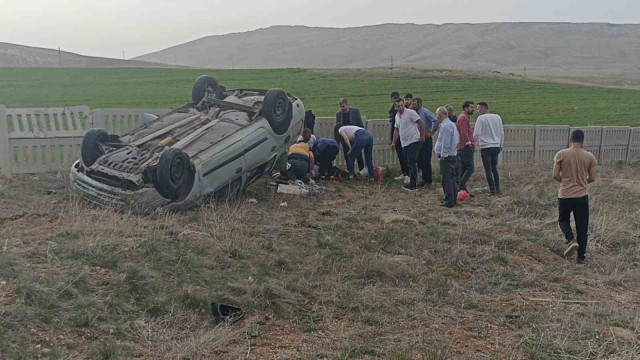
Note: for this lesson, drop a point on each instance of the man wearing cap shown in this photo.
(466, 146)
(348, 115)
(409, 128)
(574, 168)
(426, 150)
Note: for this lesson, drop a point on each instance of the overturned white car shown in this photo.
(213, 147)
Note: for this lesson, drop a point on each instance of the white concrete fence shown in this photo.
(48, 139)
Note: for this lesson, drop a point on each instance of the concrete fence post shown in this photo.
(5, 149)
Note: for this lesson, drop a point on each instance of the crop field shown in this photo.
(364, 271)
(518, 101)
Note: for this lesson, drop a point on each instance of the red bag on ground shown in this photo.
(377, 175)
(463, 195)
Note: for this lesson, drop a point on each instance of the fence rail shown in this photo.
(48, 139)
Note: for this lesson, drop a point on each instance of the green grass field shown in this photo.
(517, 101)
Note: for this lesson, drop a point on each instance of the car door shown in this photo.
(222, 172)
(260, 154)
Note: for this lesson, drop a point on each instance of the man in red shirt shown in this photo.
(466, 147)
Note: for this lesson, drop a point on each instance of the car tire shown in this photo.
(200, 87)
(90, 148)
(175, 175)
(277, 109)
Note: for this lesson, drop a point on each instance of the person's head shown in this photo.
(450, 110)
(306, 135)
(408, 98)
(483, 108)
(442, 114)
(395, 95)
(344, 105)
(416, 104)
(577, 137)
(399, 105)
(467, 107)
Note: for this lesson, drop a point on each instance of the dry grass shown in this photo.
(332, 277)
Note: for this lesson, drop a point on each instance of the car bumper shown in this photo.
(144, 201)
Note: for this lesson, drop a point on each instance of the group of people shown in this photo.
(413, 128)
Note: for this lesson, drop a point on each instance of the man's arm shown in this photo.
(592, 172)
(346, 140)
(556, 173)
(396, 134)
(447, 137)
(477, 131)
(311, 163)
(338, 118)
(421, 127)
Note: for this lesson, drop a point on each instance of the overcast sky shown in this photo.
(109, 27)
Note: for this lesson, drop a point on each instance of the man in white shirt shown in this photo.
(489, 136)
(409, 128)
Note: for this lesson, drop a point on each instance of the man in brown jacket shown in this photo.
(574, 168)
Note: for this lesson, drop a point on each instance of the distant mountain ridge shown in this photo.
(12, 55)
(561, 47)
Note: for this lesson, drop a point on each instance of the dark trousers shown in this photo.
(465, 157)
(424, 160)
(580, 209)
(490, 163)
(400, 153)
(363, 142)
(358, 158)
(298, 169)
(447, 169)
(326, 157)
(411, 156)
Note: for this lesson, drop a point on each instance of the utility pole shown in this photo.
(59, 57)
(123, 55)
(391, 61)
(525, 71)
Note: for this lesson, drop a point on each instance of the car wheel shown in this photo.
(175, 175)
(276, 108)
(200, 87)
(91, 148)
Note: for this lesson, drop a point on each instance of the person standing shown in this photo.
(451, 113)
(409, 128)
(446, 149)
(325, 151)
(424, 154)
(309, 120)
(574, 168)
(466, 145)
(489, 135)
(348, 115)
(362, 140)
(392, 122)
(408, 98)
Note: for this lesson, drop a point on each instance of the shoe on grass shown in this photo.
(399, 177)
(572, 247)
(581, 261)
(408, 188)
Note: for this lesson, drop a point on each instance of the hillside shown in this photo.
(557, 48)
(12, 55)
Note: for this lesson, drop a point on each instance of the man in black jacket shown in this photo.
(309, 120)
(392, 121)
(350, 116)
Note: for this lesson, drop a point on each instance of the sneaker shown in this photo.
(447, 205)
(423, 184)
(408, 188)
(581, 261)
(399, 177)
(571, 248)
(407, 179)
